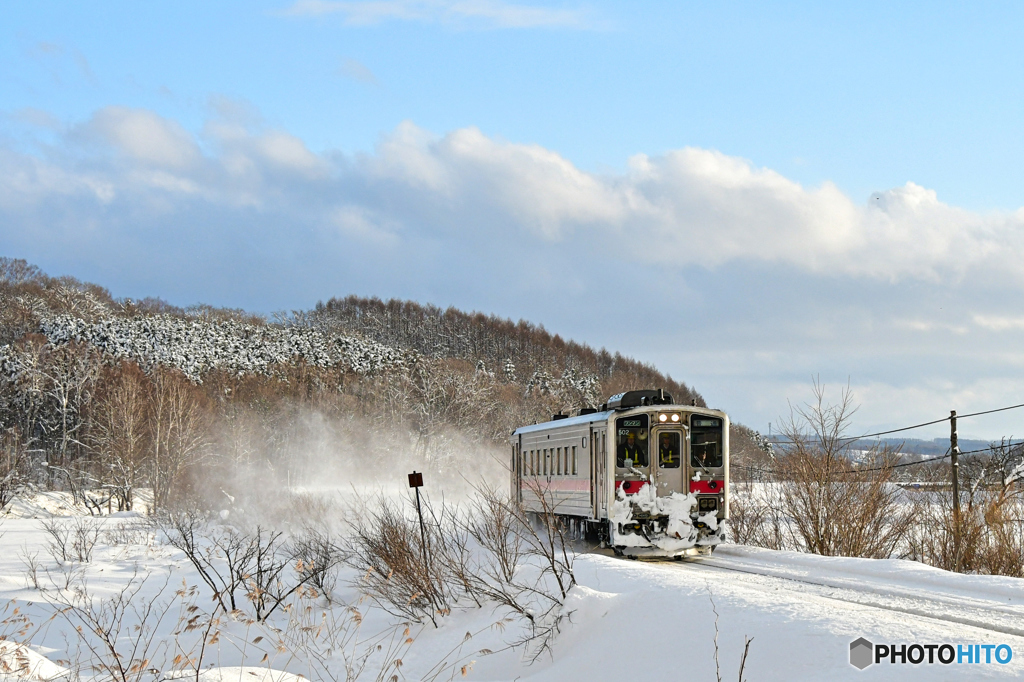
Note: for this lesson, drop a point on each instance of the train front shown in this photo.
(671, 480)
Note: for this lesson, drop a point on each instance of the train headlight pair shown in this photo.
(706, 504)
(665, 417)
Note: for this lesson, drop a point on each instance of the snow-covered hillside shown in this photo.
(198, 346)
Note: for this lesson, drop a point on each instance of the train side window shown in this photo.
(575, 463)
(558, 461)
(561, 462)
(545, 461)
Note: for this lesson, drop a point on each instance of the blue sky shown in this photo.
(790, 189)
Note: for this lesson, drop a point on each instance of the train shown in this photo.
(641, 474)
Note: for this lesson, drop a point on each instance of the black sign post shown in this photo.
(416, 482)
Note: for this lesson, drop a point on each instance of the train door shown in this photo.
(517, 470)
(668, 460)
(593, 475)
(598, 440)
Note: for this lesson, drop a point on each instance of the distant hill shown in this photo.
(86, 381)
(521, 352)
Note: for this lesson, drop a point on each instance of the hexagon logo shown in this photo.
(861, 653)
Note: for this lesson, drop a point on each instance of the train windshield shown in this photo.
(631, 441)
(705, 441)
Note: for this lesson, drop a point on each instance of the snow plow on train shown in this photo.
(641, 474)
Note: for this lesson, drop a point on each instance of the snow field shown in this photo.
(624, 620)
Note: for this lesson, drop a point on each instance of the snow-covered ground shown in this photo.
(625, 619)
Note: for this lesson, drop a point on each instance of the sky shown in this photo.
(750, 196)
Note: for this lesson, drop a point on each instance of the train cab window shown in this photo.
(669, 450)
(631, 441)
(705, 441)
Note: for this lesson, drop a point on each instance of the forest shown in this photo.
(103, 397)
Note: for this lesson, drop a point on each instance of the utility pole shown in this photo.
(416, 481)
(954, 452)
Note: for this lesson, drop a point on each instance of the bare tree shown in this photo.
(118, 634)
(70, 376)
(223, 558)
(836, 507)
(179, 432)
(13, 465)
(119, 433)
(387, 548)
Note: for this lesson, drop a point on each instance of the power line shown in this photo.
(917, 426)
(999, 409)
(991, 447)
(858, 471)
(905, 428)
(895, 466)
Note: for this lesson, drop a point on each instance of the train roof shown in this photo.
(603, 416)
(570, 421)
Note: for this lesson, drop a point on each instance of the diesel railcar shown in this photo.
(641, 474)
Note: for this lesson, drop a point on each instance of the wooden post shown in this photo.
(954, 452)
(416, 481)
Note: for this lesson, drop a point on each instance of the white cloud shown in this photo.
(363, 226)
(143, 136)
(689, 207)
(485, 13)
(928, 326)
(37, 118)
(999, 323)
(357, 71)
(701, 207)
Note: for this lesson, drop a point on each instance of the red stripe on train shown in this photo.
(561, 484)
(630, 487)
(702, 486)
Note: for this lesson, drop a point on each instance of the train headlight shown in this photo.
(675, 417)
(663, 417)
